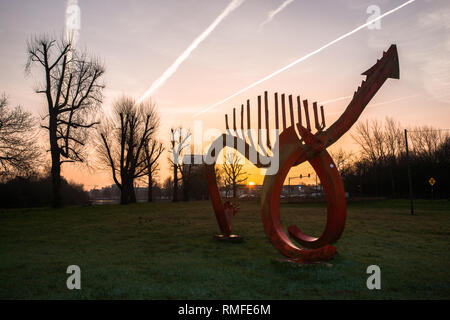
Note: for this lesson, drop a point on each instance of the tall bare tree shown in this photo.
(19, 153)
(179, 139)
(73, 90)
(393, 137)
(426, 140)
(152, 150)
(233, 171)
(122, 143)
(371, 139)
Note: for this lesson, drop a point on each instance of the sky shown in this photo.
(138, 40)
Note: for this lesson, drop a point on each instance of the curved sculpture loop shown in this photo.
(295, 145)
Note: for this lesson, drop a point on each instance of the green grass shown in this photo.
(167, 251)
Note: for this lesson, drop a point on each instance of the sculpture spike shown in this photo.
(316, 117)
(323, 117)
(248, 115)
(226, 122)
(299, 110)
(242, 116)
(305, 106)
(234, 119)
(259, 119)
(283, 111)
(291, 110)
(266, 105)
(276, 112)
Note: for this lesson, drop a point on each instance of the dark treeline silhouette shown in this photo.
(192, 187)
(112, 194)
(382, 167)
(36, 191)
(164, 192)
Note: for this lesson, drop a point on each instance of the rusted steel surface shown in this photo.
(295, 149)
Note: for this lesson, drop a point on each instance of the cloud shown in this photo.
(273, 13)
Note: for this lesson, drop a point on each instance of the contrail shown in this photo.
(381, 103)
(305, 57)
(273, 13)
(334, 100)
(171, 70)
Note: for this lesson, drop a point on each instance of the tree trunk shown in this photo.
(175, 183)
(150, 187)
(127, 194)
(56, 164)
(56, 182)
(185, 190)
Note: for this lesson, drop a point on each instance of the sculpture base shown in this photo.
(230, 238)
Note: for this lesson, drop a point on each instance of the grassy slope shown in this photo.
(166, 251)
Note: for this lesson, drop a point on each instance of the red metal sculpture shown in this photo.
(298, 144)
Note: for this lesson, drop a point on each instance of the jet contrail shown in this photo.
(306, 57)
(273, 13)
(381, 103)
(334, 100)
(171, 70)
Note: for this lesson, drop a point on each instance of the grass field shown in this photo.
(167, 251)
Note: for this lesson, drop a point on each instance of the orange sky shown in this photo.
(139, 40)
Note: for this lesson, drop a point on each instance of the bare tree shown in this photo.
(343, 160)
(371, 139)
(152, 150)
(19, 153)
(394, 145)
(73, 89)
(122, 143)
(364, 138)
(233, 171)
(426, 141)
(393, 138)
(179, 140)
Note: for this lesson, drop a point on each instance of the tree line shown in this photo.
(380, 167)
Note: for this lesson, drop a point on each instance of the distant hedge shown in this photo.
(37, 192)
